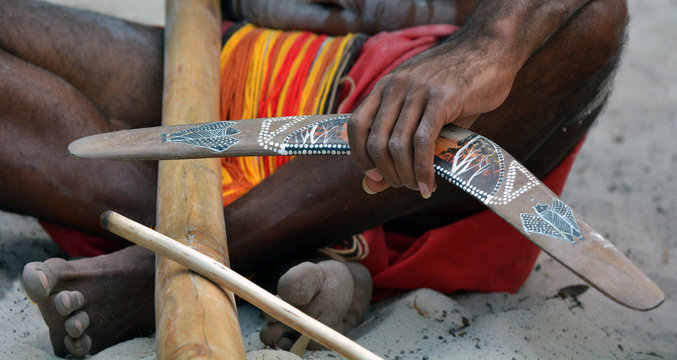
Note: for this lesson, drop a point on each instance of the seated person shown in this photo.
(530, 77)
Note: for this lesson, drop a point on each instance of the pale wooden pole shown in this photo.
(195, 319)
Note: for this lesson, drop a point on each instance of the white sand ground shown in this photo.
(623, 183)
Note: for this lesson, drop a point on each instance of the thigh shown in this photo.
(40, 114)
(117, 65)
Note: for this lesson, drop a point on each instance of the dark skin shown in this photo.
(528, 78)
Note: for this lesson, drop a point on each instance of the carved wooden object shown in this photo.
(195, 318)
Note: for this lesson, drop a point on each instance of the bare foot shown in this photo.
(93, 303)
(335, 293)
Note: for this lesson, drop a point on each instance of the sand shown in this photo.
(623, 183)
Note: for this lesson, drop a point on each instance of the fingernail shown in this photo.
(366, 187)
(374, 174)
(425, 191)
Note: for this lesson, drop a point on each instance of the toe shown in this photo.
(78, 347)
(285, 343)
(66, 302)
(301, 283)
(333, 300)
(38, 281)
(77, 324)
(277, 334)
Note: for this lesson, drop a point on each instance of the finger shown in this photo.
(277, 334)
(424, 145)
(401, 140)
(382, 128)
(372, 187)
(358, 130)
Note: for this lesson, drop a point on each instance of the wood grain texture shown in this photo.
(195, 319)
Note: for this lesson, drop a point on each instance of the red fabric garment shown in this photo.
(77, 243)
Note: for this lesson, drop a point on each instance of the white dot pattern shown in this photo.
(327, 146)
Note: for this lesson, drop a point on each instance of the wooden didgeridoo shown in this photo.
(195, 318)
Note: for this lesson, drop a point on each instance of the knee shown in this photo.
(602, 27)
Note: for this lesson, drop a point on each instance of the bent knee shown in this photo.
(602, 28)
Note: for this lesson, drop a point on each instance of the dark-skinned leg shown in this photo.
(115, 64)
(68, 74)
(65, 74)
(293, 219)
(40, 114)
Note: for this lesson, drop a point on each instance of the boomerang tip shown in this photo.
(640, 293)
(653, 299)
(80, 148)
(98, 146)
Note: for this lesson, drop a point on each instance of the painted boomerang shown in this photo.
(472, 162)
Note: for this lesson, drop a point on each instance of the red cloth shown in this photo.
(77, 243)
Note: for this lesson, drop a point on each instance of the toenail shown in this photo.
(62, 304)
(68, 301)
(78, 347)
(43, 281)
(76, 324)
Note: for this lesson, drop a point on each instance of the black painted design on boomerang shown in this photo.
(477, 166)
(328, 136)
(556, 221)
(216, 136)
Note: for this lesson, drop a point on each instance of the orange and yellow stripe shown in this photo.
(270, 73)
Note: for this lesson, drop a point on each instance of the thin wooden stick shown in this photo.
(233, 281)
(300, 345)
(194, 317)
